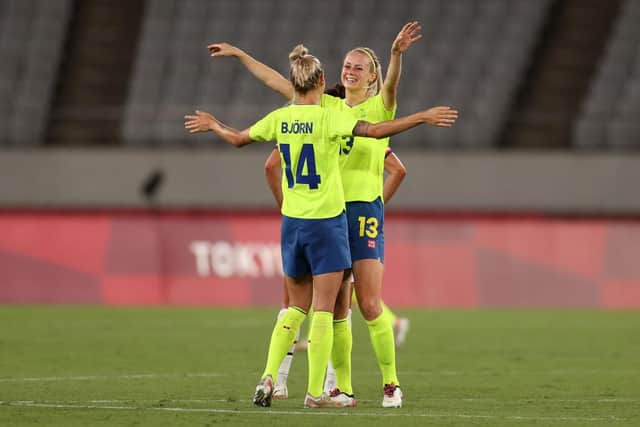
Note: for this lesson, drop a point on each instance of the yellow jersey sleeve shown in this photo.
(265, 128)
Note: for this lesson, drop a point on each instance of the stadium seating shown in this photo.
(472, 57)
(31, 39)
(609, 115)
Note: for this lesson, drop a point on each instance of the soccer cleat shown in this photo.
(264, 392)
(400, 330)
(392, 396)
(343, 399)
(280, 392)
(324, 401)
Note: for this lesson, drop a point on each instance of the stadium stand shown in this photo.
(93, 82)
(32, 35)
(609, 114)
(473, 57)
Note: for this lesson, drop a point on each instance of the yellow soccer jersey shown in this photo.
(362, 159)
(308, 138)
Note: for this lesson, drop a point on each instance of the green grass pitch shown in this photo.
(94, 366)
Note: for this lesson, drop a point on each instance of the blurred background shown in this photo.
(531, 200)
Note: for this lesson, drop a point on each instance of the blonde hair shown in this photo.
(305, 70)
(375, 67)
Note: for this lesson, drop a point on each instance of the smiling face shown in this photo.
(357, 71)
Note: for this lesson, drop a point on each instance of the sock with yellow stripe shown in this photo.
(284, 333)
(341, 354)
(319, 350)
(381, 333)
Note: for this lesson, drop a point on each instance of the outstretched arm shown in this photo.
(395, 175)
(205, 122)
(272, 172)
(262, 72)
(405, 38)
(436, 116)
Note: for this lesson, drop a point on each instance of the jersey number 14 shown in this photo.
(308, 158)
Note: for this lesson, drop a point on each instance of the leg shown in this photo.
(325, 291)
(400, 326)
(368, 275)
(339, 369)
(280, 390)
(368, 286)
(284, 333)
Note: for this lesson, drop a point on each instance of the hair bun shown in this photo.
(298, 52)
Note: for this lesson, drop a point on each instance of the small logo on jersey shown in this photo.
(372, 244)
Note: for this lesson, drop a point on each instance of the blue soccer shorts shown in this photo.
(315, 246)
(366, 236)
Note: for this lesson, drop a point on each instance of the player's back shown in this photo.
(308, 138)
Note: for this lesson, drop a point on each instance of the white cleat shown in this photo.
(280, 392)
(324, 401)
(400, 330)
(392, 396)
(343, 399)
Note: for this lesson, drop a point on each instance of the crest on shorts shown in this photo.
(372, 244)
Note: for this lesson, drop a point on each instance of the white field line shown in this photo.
(315, 413)
(109, 377)
(435, 399)
(402, 373)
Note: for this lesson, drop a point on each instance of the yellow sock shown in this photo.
(381, 334)
(284, 333)
(341, 354)
(319, 350)
(390, 314)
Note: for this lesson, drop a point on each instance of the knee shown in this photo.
(370, 308)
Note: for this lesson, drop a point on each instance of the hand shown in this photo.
(405, 38)
(223, 49)
(440, 116)
(201, 122)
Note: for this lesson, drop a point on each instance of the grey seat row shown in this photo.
(609, 115)
(31, 42)
(472, 57)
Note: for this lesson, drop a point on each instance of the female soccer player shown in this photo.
(315, 244)
(362, 166)
(395, 172)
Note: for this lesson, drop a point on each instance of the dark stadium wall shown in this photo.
(233, 259)
(565, 183)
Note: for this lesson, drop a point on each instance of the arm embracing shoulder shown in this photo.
(386, 128)
(237, 138)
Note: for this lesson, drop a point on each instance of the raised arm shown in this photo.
(405, 38)
(205, 122)
(262, 72)
(436, 116)
(272, 171)
(395, 175)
